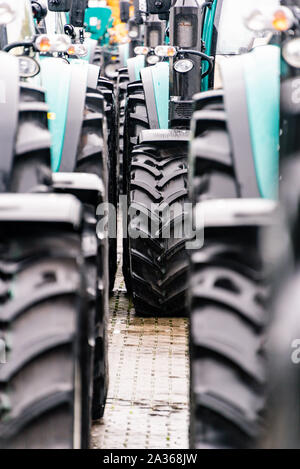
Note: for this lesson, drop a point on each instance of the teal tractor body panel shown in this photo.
(98, 21)
(56, 78)
(207, 35)
(262, 77)
(157, 94)
(124, 54)
(161, 83)
(91, 45)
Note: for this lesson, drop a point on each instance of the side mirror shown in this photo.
(59, 5)
(161, 7)
(124, 11)
(39, 10)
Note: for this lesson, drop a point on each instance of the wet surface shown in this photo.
(147, 404)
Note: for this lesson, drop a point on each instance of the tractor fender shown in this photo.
(9, 109)
(86, 187)
(41, 208)
(156, 88)
(124, 54)
(135, 65)
(93, 76)
(252, 96)
(77, 95)
(164, 135)
(65, 86)
(91, 44)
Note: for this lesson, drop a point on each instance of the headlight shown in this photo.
(28, 67)
(165, 51)
(141, 50)
(152, 59)
(53, 43)
(133, 34)
(280, 19)
(81, 50)
(183, 66)
(7, 12)
(291, 52)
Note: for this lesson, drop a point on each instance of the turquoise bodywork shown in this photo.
(262, 78)
(139, 64)
(160, 76)
(97, 20)
(57, 97)
(207, 35)
(91, 44)
(56, 77)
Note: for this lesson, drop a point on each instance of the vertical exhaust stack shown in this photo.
(185, 32)
(78, 12)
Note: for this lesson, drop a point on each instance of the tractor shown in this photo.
(140, 55)
(43, 320)
(282, 426)
(80, 166)
(234, 186)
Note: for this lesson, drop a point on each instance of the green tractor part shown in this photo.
(97, 20)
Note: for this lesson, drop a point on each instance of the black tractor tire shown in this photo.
(227, 304)
(96, 268)
(228, 317)
(92, 159)
(158, 261)
(97, 58)
(282, 428)
(135, 120)
(212, 163)
(32, 161)
(104, 86)
(91, 154)
(44, 325)
(123, 80)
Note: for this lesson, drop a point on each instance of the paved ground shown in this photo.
(147, 404)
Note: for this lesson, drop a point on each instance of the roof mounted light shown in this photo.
(28, 67)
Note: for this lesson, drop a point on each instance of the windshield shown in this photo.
(233, 35)
(23, 26)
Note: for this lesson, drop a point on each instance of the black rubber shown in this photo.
(92, 158)
(97, 58)
(135, 120)
(282, 427)
(44, 324)
(32, 160)
(91, 155)
(158, 260)
(106, 89)
(228, 291)
(122, 82)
